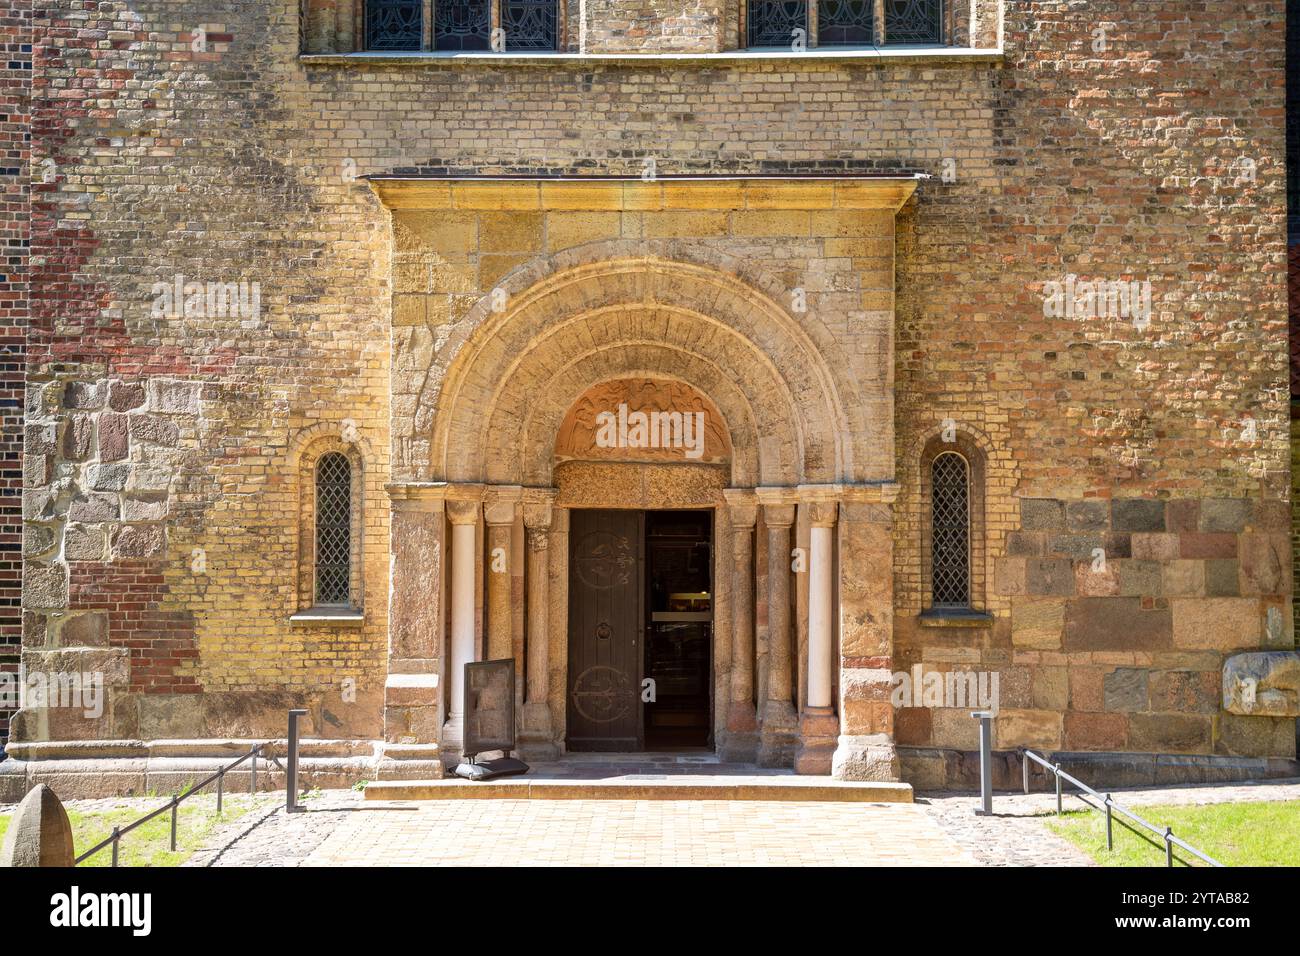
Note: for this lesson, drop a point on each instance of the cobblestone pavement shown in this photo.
(1016, 836)
(275, 838)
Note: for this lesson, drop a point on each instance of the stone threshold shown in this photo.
(91, 769)
(646, 787)
(932, 55)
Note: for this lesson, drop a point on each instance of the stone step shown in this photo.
(676, 787)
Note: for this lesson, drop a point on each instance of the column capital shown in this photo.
(742, 506)
(417, 496)
(501, 504)
(539, 508)
(821, 514)
(778, 506)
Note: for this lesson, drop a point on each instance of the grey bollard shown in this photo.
(985, 717)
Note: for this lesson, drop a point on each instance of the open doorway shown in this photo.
(679, 629)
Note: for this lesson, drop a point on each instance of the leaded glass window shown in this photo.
(913, 21)
(529, 24)
(333, 529)
(773, 23)
(394, 24)
(462, 24)
(950, 531)
(845, 22)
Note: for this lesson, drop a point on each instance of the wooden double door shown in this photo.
(640, 630)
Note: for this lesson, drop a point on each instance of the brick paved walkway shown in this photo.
(338, 829)
(940, 829)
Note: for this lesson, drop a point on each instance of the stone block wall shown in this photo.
(231, 159)
(15, 157)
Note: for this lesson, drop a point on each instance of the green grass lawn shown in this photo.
(150, 844)
(1235, 834)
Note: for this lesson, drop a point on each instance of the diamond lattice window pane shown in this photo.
(333, 529)
(950, 531)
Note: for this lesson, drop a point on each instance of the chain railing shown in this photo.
(1109, 807)
(173, 805)
(114, 839)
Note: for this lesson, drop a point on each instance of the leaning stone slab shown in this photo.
(40, 833)
(1262, 684)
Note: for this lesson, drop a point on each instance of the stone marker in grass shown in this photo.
(40, 833)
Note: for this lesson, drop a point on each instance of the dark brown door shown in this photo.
(605, 630)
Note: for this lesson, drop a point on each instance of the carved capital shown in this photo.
(463, 512)
(539, 509)
(501, 504)
(822, 514)
(742, 507)
(778, 506)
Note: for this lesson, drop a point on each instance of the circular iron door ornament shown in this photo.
(603, 560)
(603, 631)
(602, 694)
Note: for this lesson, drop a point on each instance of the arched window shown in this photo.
(950, 526)
(333, 530)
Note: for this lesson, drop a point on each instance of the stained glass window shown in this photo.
(394, 24)
(772, 23)
(913, 21)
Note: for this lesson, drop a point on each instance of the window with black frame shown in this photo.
(777, 23)
(846, 22)
(950, 532)
(463, 25)
(394, 24)
(780, 23)
(333, 530)
(913, 22)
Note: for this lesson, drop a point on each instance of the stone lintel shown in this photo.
(417, 495)
(635, 195)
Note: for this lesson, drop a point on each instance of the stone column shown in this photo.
(866, 750)
(536, 739)
(741, 743)
(817, 726)
(777, 734)
(499, 510)
(412, 710)
(464, 515)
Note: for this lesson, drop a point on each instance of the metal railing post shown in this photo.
(1057, 770)
(175, 807)
(1024, 768)
(252, 780)
(1110, 836)
(116, 838)
(221, 779)
(291, 774)
(985, 718)
(1169, 846)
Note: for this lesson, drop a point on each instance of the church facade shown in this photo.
(777, 380)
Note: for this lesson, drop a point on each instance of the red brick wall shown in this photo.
(15, 90)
